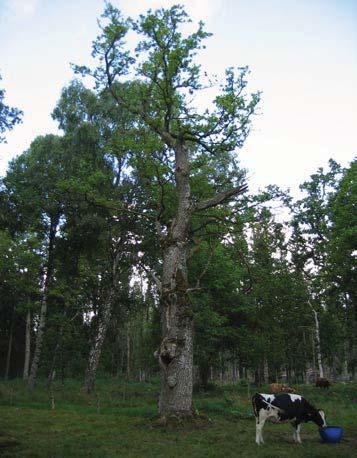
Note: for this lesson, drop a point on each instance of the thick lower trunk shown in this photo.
(96, 348)
(27, 346)
(176, 350)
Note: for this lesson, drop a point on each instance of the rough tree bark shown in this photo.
(48, 273)
(175, 353)
(27, 346)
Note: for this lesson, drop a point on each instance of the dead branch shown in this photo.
(219, 198)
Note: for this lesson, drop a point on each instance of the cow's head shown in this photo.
(318, 417)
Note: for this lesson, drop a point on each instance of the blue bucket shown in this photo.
(331, 434)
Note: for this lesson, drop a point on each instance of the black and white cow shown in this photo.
(284, 408)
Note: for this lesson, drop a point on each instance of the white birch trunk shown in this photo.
(43, 312)
(96, 348)
(318, 342)
(103, 324)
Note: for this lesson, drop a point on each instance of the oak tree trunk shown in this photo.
(175, 353)
(176, 349)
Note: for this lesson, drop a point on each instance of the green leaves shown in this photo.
(164, 78)
(9, 116)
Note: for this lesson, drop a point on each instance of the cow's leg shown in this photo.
(298, 438)
(296, 434)
(257, 430)
(260, 420)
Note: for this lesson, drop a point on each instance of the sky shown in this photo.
(302, 56)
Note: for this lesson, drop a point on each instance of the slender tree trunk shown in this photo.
(266, 371)
(175, 353)
(96, 348)
(118, 358)
(27, 346)
(103, 324)
(235, 371)
(318, 342)
(256, 378)
(128, 353)
(42, 321)
(9, 348)
(204, 373)
(51, 373)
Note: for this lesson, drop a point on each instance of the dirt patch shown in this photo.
(180, 423)
(351, 441)
(8, 443)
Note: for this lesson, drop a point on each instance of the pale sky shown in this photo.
(302, 56)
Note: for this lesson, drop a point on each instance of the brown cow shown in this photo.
(288, 389)
(276, 387)
(322, 382)
(281, 388)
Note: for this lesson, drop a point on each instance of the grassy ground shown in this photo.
(118, 421)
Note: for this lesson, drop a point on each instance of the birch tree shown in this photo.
(32, 182)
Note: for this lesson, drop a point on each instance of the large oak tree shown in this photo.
(158, 83)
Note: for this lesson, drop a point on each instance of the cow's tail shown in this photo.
(254, 403)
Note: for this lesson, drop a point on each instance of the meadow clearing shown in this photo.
(119, 420)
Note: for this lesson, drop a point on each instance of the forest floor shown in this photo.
(118, 420)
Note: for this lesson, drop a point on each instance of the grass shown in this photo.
(117, 421)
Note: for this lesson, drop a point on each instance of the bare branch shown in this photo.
(202, 274)
(219, 198)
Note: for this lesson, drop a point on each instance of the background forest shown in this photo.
(271, 279)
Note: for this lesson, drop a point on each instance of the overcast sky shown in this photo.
(302, 56)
